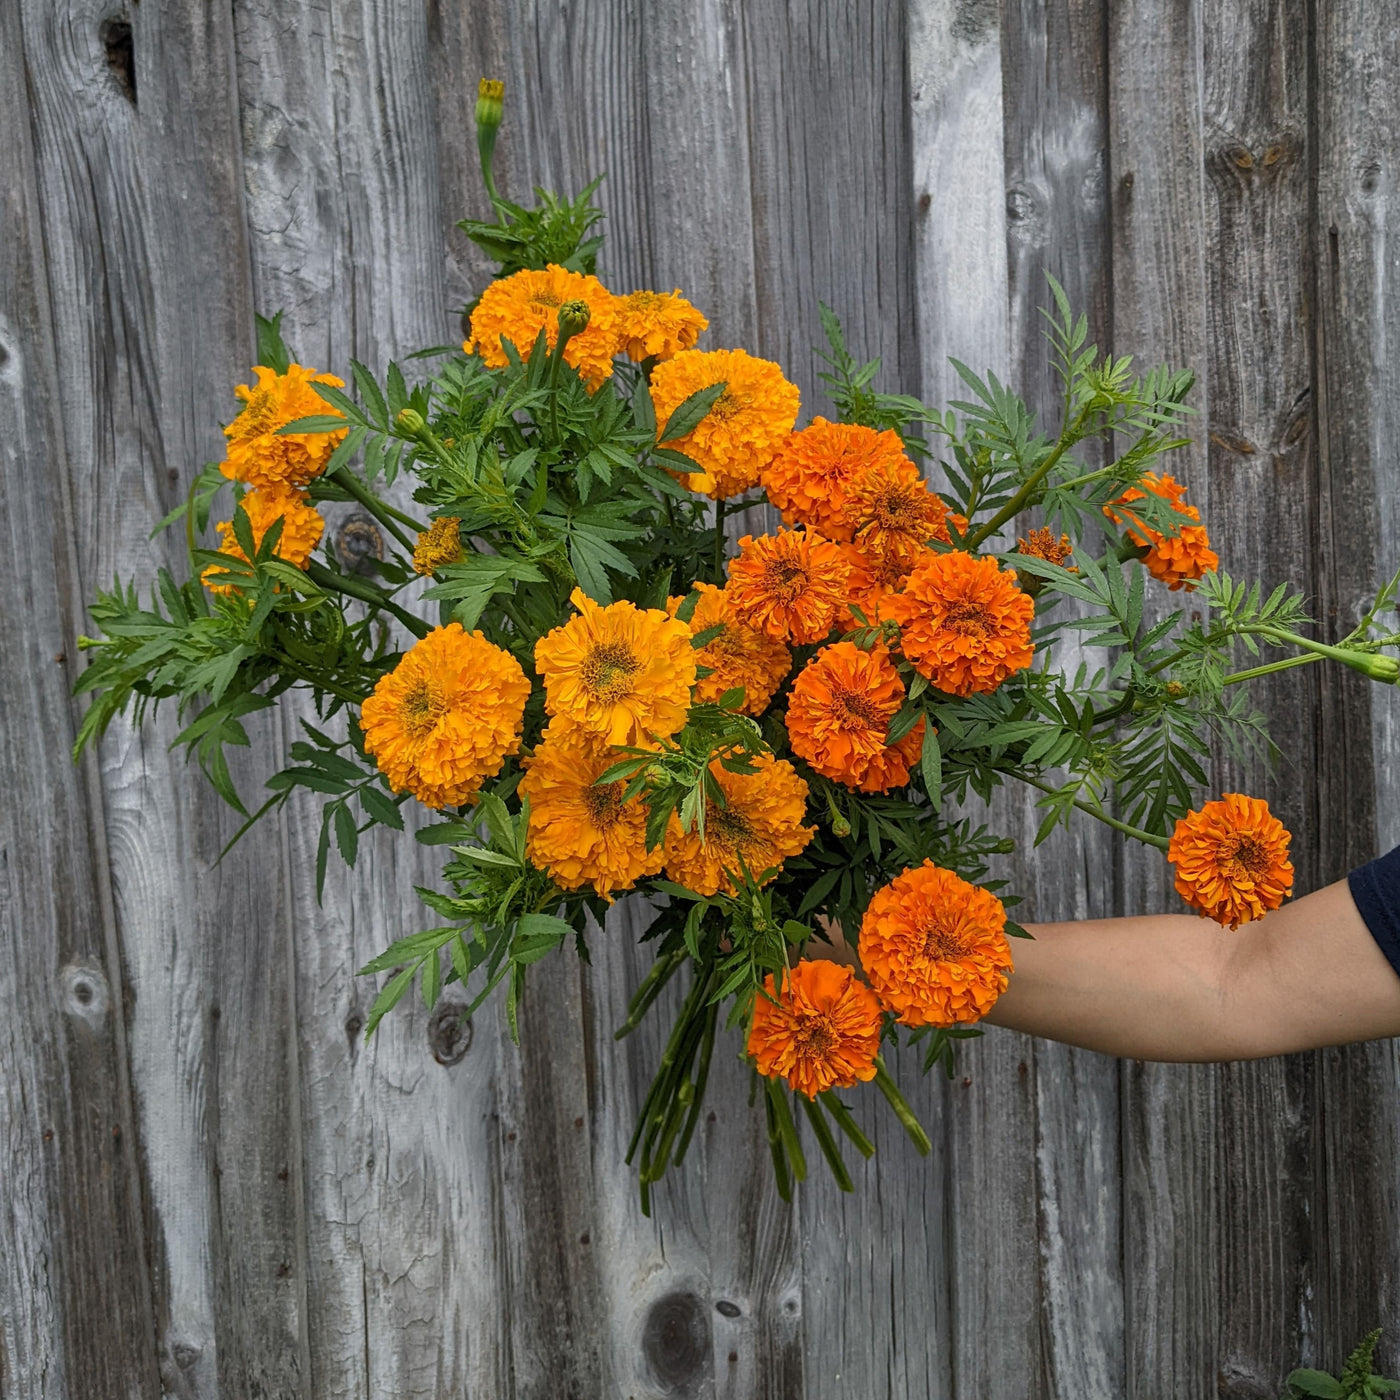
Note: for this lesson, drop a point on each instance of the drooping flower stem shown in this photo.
(902, 1111)
(365, 592)
(380, 510)
(1254, 672)
(1385, 669)
(827, 1142)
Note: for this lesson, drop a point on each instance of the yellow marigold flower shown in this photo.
(737, 438)
(621, 672)
(808, 477)
(517, 308)
(760, 825)
(439, 544)
(1179, 559)
(964, 623)
(1231, 859)
(301, 532)
(256, 453)
(891, 512)
(840, 709)
(581, 831)
(819, 1031)
(740, 656)
(444, 719)
(790, 586)
(656, 325)
(934, 947)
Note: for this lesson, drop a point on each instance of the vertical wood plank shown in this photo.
(1171, 1245)
(401, 1165)
(1055, 99)
(75, 1304)
(1355, 134)
(136, 143)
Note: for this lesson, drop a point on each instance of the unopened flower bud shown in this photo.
(1175, 689)
(1385, 669)
(490, 95)
(410, 421)
(574, 317)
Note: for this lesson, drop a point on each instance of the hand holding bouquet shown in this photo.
(560, 651)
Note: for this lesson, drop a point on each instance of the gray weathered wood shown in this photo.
(285, 1211)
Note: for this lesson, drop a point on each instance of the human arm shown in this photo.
(1176, 987)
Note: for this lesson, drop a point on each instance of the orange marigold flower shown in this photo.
(444, 719)
(260, 456)
(934, 947)
(620, 671)
(745, 426)
(517, 308)
(759, 826)
(301, 532)
(1231, 859)
(840, 708)
(807, 479)
(873, 582)
(656, 325)
(1177, 560)
(820, 1031)
(1042, 544)
(439, 544)
(890, 510)
(740, 656)
(890, 768)
(964, 623)
(791, 585)
(581, 831)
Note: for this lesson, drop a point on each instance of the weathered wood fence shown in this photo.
(209, 1186)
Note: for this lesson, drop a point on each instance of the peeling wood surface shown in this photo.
(210, 1186)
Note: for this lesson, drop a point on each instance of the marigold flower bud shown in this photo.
(574, 317)
(410, 421)
(490, 104)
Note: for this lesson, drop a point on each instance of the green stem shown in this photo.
(847, 1124)
(719, 540)
(902, 1111)
(1255, 671)
(1021, 499)
(827, 1143)
(377, 508)
(1136, 833)
(322, 683)
(1380, 668)
(364, 592)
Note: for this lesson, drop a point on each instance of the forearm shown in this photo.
(1173, 987)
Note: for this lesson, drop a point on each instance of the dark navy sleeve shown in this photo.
(1376, 890)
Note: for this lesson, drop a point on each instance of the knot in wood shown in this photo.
(677, 1342)
(449, 1034)
(85, 994)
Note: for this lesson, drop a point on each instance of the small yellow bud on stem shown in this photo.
(490, 107)
(410, 421)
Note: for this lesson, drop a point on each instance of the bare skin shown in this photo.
(1175, 987)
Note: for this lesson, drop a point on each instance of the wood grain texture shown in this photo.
(285, 1211)
(1355, 135)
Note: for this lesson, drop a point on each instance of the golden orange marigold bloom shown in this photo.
(737, 438)
(934, 947)
(620, 671)
(964, 622)
(807, 479)
(439, 544)
(890, 510)
(517, 308)
(656, 325)
(740, 656)
(890, 768)
(791, 586)
(872, 584)
(840, 708)
(257, 454)
(581, 831)
(1177, 560)
(444, 719)
(820, 1031)
(301, 532)
(1231, 859)
(760, 825)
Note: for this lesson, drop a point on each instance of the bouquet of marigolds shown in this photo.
(560, 650)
